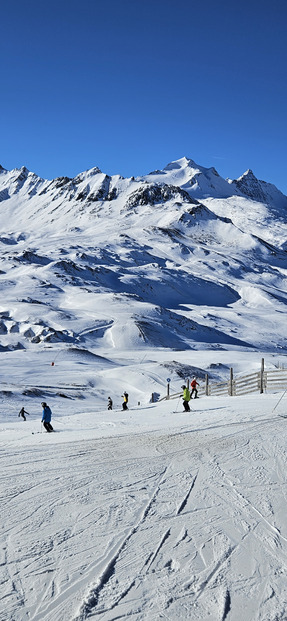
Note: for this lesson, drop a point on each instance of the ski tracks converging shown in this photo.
(153, 526)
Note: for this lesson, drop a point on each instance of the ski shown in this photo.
(42, 432)
(183, 412)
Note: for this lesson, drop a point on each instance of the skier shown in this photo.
(186, 398)
(22, 413)
(110, 403)
(125, 397)
(193, 384)
(46, 417)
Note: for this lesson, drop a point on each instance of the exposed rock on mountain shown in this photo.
(153, 194)
(260, 191)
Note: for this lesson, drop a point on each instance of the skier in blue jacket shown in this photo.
(46, 417)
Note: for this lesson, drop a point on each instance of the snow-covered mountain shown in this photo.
(84, 260)
(102, 259)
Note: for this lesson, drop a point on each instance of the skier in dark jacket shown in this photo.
(110, 403)
(22, 413)
(46, 417)
(125, 397)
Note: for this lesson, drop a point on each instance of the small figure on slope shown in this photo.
(46, 417)
(125, 397)
(193, 384)
(22, 413)
(186, 398)
(110, 403)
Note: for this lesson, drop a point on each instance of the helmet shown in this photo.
(183, 387)
(44, 404)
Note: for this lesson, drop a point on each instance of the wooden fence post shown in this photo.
(231, 382)
(261, 387)
(206, 384)
(167, 391)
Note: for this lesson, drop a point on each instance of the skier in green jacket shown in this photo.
(186, 398)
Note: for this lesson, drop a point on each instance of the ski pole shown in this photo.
(177, 404)
(279, 400)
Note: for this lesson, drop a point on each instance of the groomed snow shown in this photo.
(147, 514)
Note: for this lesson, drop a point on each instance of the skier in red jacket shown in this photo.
(194, 391)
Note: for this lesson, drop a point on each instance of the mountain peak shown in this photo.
(23, 170)
(248, 174)
(183, 162)
(249, 185)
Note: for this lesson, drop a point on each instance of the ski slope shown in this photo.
(147, 514)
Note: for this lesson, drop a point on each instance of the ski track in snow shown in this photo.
(156, 526)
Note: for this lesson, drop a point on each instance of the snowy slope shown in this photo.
(145, 514)
(111, 284)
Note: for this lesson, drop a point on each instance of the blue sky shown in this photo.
(130, 85)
